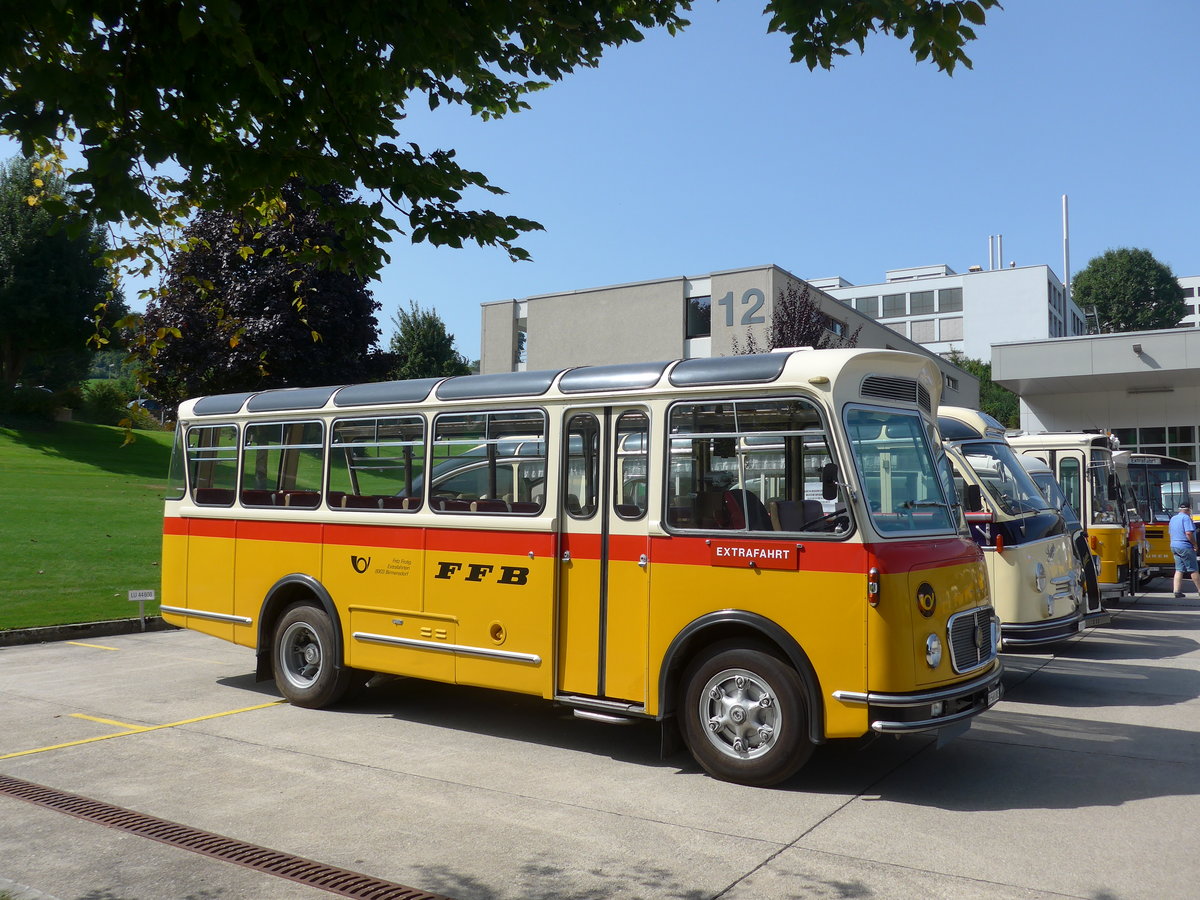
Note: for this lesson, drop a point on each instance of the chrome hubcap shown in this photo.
(741, 716)
(300, 655)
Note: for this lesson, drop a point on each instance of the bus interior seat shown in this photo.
(725, 510)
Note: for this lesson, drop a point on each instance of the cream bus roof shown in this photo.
(1058, 440)
(870, 375)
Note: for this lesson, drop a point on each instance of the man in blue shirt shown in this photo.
(1183, 545)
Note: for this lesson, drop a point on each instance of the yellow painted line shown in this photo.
(125, 725)
(138, 729)
(94, 646)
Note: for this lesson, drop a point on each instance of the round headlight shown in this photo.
(933, 651)
(1039, 578)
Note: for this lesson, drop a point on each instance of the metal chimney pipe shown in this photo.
(1066, 252)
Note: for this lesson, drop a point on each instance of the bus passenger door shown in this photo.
(603, 599)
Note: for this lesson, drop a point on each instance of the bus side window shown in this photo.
(283, 465)
(489, 462)
(377, 463)
(1068, 477)
(212, 464)
(630, 487)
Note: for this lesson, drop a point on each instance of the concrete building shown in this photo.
(1191, 297)
(671, 318)
(1143, 386)
(945, 311)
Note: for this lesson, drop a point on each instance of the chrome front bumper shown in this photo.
(960, 702)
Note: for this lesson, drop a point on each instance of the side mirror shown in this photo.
(973, 498)
(829, 485)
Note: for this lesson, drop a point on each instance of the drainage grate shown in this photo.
(261, 859)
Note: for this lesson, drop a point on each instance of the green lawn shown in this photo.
(80, 522)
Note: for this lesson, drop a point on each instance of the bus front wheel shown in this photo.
(307, 660)
(744, 716)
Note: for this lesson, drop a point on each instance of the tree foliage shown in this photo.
(50, 283)
(995, 400)
(245, 315)
(179, 105)
(422, 346)
(1131, 291)
(797, 321)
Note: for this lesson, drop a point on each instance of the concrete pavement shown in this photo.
(1082, 782)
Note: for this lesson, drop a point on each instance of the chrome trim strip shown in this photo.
(886, 727)
(201, 614)
(485, 652)
(1030, 634)
(620, 707)
(924, 697)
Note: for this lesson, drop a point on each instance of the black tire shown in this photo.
(307, 659)
(729, 730)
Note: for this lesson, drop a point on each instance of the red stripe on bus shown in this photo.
(284, 532)
(901, 556)
(217, 528)
(399, 538)
(815, 557)
(503, 543)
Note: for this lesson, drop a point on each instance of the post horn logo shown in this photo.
(360, 563)
(926, 600)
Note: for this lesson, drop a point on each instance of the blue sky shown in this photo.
(709, 150)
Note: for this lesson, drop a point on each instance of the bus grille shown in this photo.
(887, 388)
(972, 639)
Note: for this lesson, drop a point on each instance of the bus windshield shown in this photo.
(1106, 500)
(1168, 487)
(1054, 493)
(1007, 483)
(895, 460)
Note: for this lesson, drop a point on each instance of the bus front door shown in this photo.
(604, 584)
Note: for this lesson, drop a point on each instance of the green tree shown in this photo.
(230, 303)
(997, 401)
(50, 283)
(798, 321)
(422, 347)
(180, 105)
(1131, 291)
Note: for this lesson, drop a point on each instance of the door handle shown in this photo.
(643, 560)
(566, 557)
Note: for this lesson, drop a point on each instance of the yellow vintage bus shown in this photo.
(1158, 485)
(761, 552)
(1036, 581)
(1083, 464)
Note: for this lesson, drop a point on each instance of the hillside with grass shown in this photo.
(81, 523)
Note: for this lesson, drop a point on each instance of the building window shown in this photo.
(950, 300)
(868, 306)
(1189, 292)
(699, 317)
(1126, 437)
(520, 344)
(1182, 434)
(924, 331)
(951, 382)
(836, 326)
(899, 328)
(893, 305)
(920, 303)
(952, 329)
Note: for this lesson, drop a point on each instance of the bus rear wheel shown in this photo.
(744, 716)
(307, 659)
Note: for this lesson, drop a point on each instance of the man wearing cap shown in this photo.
(1183, 545)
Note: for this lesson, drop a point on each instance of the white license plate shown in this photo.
(993, 696)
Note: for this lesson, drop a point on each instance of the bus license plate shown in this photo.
(993, 696)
